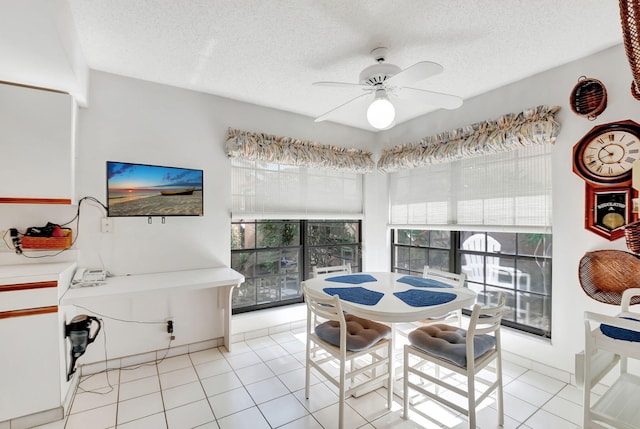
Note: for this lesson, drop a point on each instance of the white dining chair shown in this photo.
(457, 351)
(344, 339)
(452, 279)
(336, 269)
(610, 342)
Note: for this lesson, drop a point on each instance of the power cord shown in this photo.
(16, 240)
(127, 368)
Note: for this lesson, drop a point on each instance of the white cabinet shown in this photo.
(32, 335)
(36, 139)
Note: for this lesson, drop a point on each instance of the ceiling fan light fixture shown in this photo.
(381, 114)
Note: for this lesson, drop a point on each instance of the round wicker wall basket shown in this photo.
(605, 274)
(588, 98)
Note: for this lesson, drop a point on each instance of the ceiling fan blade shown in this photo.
(415, 73)
(330, 112)
(438, 99)
(340, 84)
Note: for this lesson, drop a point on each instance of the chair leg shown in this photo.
(341, 398)
(499, 392)
(405, 385)
(471, 392)
(307, 371)
(391, 373)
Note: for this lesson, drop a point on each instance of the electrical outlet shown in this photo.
(106, 225)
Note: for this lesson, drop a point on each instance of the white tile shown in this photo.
(136, 373)
(271, 352)
(328, 417)
(545, 420)
(283, 337)
(283, 364)
(294, 380)
(249, 418)
(370, 406)
(174, 363)
(306, 422)
(140, 387)
(320, 396)
(542, 381)
(566, 409)
(260, 342)
(204, 345)
(205, 356)
(243, 360)
(214, 367)
(237, 347)
(258, 333)
(178, 377)
(182, 395)
(230, 402)
(96, 418)
(136, 360)
(528, 393)
(267, 390)
(394, 420)
(99, 381)
(210, 425)
(190, 415)
(139, 407)
(571, 393)
(283, 410)
(155, 421)
(294, 346)
(58, 424)
(221, 383)
(171, 352)
(37, 419)
(254, 373)
(517, 409)
(83, 401)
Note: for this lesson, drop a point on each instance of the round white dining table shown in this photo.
(389, 307)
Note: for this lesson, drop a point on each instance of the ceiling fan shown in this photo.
(381, 80)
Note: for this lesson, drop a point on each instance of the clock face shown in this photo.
(607, 153)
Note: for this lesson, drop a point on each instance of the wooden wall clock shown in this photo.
(603, 158)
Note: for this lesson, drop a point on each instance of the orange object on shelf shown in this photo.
(48, 243)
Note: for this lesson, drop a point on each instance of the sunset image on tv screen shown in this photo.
(151, 190)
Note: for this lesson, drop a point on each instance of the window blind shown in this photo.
(263, 190)
(507, 191)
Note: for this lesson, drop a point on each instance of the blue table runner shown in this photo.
(424, 298)
(353, 279)
(357, 294)
(422, 282)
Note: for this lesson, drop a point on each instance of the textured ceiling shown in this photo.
(268, 52)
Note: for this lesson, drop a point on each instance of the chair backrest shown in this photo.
(474, 264)
(455, 280)
(346, 268)
(485, 320)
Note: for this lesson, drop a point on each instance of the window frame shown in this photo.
(455, 266)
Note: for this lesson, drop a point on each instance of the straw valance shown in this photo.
(285, 150)
(513, 131)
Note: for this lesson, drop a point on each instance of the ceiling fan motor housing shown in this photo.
(376, 74)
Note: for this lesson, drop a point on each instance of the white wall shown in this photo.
(136, 121)
(570, 239)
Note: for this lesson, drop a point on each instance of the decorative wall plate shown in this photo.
(588, 98)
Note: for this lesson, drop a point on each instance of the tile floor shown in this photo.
(261, 385)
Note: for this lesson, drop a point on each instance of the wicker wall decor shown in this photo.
(632, 235)
(588, 98)
(630, 18)
(605, 274)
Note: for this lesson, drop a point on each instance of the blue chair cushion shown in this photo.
(361, 333)
(449, 343)
(621, 333)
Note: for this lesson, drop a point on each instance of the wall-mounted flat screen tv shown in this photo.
(153, 190)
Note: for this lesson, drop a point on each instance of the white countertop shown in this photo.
(31, 273)
(155, 282)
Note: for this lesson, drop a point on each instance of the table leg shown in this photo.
(225, 295)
